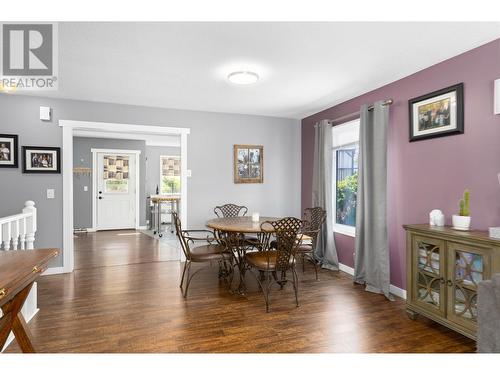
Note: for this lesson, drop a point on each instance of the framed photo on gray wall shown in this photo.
(248, 164)
(437, 114)
(8, 151)
(41, 159)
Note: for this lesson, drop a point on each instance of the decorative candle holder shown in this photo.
(255, 217)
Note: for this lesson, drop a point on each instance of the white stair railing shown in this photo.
(17, 232)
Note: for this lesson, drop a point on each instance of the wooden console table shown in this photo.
(19, 269)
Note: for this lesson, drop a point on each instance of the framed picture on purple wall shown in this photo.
(437, 114)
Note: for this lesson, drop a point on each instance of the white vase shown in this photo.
(460, 222)
(436, 218)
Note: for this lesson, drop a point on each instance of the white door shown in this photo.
(116, 190)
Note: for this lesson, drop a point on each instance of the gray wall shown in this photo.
(82, 200)
(153, 154)
(210, 148)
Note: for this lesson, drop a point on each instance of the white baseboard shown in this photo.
(53, 271)
(346, 269)
(398, 292)
(32, 315)
(140, 227)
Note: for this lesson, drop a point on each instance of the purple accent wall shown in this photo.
(431, 173)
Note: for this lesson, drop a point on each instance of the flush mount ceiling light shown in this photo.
(243, 77)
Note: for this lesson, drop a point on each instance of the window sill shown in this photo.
(346, 230)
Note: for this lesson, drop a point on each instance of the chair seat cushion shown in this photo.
(304, 237)
(209, 252)
(304, 248)
(259, 259)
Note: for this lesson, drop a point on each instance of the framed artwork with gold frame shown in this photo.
(248, 164)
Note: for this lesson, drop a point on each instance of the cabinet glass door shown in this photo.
(467, 267)
(428, 271)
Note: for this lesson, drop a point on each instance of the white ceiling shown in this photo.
(304, 67)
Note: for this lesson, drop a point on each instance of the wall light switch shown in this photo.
(50, 193)
(188, 173)
(85, 188)
(45, 113)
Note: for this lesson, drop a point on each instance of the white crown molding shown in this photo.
(151, 140)
(111, 127)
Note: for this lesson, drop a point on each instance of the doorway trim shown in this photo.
(136, 153)
(69, 128)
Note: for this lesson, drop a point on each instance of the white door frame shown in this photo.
(136, 153)
(69, 128)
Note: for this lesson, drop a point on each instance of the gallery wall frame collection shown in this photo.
(36, 159)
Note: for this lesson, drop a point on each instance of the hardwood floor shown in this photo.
(110, 306)
(113, 248)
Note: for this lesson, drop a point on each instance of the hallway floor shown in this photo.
(122, 247)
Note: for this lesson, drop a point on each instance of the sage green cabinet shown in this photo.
(444, 267)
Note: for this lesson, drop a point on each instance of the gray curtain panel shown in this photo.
(326, 252)
(371, 245)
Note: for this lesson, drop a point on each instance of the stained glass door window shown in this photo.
(115, 173)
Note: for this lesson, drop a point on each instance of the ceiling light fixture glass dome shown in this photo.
(243, 77)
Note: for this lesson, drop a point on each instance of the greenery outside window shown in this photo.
(170, 177)
(345, 176)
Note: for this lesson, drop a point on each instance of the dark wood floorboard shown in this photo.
(109, 305)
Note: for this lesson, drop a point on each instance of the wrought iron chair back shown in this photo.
(282, 253)
(314, 218)
(187, 237)
(230, 210)
(182, 238)
(286, 232)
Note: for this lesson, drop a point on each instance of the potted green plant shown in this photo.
(462, 220)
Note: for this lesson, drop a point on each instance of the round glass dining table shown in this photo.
(232, 231)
